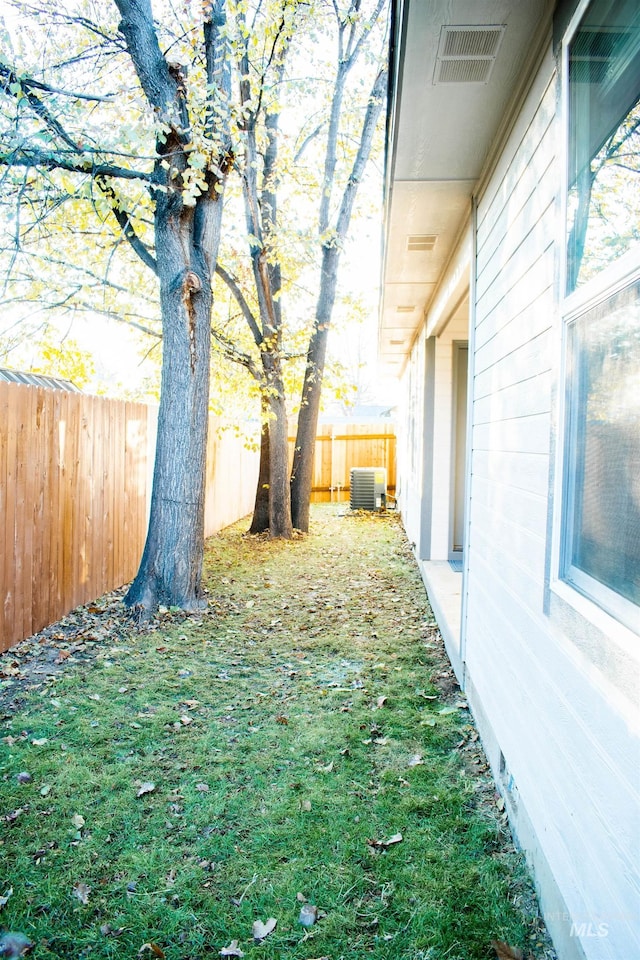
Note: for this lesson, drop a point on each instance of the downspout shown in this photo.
(469, 444)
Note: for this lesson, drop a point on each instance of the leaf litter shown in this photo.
(277, 781)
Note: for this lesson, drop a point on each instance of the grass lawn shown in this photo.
(300, 746)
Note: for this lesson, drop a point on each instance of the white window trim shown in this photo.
(606, 610)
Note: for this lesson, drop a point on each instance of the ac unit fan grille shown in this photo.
(368, 488)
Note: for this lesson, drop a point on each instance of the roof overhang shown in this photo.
(455, 66)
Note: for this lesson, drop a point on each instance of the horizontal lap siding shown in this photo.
(546, 733)
(564, 741)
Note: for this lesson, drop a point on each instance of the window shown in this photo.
(600, 550)
(604, 138)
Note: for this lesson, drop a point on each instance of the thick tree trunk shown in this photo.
(171, 564)
(304, 451)
(187, 236)
(260, 520)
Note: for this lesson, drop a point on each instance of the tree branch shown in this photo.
(10, 79)
(232, 352)
(242, 303)
(30, 157)
(125, 224)
(374, 106)
(160, 87)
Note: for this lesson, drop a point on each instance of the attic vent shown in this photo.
(396, 343)
(405, 309)
(467, 54)
(421, 241)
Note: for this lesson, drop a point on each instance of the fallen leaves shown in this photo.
(505, 952)
(260, 931)
(146, 787)
(308, 915)
(377, 845)
(233, 950)
(14, 814)
(4, 899)
(14, 945)
(153, 949)
(81, 892)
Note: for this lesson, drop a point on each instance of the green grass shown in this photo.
(277, 771)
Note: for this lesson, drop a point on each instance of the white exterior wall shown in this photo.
(551, 692)
(411, 433)
(441, 531)
(410, 442)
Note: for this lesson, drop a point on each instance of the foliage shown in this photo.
(62, 252)
(174, 787)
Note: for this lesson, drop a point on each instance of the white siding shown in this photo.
(568, 756)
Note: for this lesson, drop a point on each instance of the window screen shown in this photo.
(603, 446)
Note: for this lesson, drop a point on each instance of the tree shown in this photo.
(270, 170)
(331, 240)
(177, 146)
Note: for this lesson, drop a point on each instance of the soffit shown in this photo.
(441, 134)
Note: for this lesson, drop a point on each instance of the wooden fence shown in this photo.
(75, 484)
(75, 487)
(342, 446)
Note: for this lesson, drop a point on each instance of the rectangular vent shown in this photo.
(424, 241)
(464, 71)
(469, 42)
(405, 309)
(396, 343)
(467, 54)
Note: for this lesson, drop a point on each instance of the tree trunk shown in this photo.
(304, 451)
(280, 525)
(260, 520)
(187, 236)
(171, 565)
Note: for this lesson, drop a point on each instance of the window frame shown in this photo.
(588, 596)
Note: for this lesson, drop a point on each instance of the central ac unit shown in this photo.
(368, 488)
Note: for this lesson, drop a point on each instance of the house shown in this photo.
(511, 313)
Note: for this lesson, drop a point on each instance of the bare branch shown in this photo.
(242, 303)
(30, 157)
(125, 224)
(307, 140)
(232, 352)
(11, 79)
